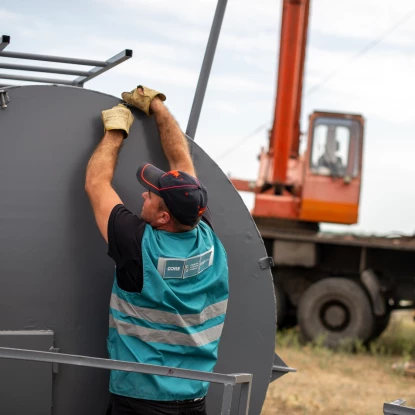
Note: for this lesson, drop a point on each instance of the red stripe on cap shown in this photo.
(142, 176)
(177, 187)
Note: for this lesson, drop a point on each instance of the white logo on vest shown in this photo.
(185, 267)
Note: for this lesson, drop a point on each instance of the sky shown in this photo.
(169, 37)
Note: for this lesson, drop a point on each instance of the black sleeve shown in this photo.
(207, 217)
(125, 233)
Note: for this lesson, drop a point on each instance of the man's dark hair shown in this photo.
(178, 226)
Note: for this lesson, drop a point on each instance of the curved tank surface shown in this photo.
(54, 269)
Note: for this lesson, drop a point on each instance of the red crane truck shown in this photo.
(336, 286)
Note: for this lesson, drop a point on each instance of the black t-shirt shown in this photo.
(125, 233)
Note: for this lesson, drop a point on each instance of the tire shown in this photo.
(280, 306)
(380, 324)
(337, 309)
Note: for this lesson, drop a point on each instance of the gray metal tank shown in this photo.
(55, 274)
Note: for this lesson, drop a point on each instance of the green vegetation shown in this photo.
(355, 379)
(397, 340)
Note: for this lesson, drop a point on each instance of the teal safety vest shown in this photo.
(178, 317)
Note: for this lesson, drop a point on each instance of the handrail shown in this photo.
(228, 380)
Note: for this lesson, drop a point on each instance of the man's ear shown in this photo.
(164, 217)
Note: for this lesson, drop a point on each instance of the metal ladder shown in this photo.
(99, 67)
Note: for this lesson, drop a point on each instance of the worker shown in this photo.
(170, 291)
(330, 159)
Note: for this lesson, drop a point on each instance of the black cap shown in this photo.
(184, 195)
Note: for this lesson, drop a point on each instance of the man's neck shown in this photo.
(168, 227)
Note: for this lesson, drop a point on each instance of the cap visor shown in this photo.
(149, 177)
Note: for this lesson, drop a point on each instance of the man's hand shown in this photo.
(172, 139)
(118, 118)
(143, 98)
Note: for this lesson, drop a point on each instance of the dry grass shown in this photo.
(343, 382)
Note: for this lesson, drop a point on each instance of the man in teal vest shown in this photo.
(170, 291)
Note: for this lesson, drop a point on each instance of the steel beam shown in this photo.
(4, 42)
(49, 58)
(229, 381)
(242, 378)
(43, 69)
(244, 398)
(33, 355)
(35, 79)
(227, 399)
(110, 63)
(205, 70)
(83, 76)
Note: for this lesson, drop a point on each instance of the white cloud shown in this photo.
(262, 62)
(260, 42)
(201, 11)
(363, 19)
(377, 84)
(189, 21)
(236, 84)
(224, 107)
(9, 16)
(185, 10)
(147, 48)
(155, 71)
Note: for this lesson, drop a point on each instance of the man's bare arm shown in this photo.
(101, 166)
(173, 140)
(99, 175)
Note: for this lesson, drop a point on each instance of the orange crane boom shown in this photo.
(285, 133)
(323, 184)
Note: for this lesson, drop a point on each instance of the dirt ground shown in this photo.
(329, 383)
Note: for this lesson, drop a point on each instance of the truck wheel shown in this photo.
(380, 324)
(337, 309)
(281, 305)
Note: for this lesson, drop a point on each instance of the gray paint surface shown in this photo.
(54, 269)
(26, 387)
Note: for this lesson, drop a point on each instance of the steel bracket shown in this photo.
(55, 365)
(396, 408)
(4, 42)
(266, 263)
(4, 98)
(279, 368)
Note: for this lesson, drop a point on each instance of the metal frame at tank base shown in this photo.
(396, 408)
(229, 381)
(83, 76)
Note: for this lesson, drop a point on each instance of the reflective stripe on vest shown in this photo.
(167, 336)
(163, 317)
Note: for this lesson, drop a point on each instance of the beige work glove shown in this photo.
(142, 101)
(118, 118)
